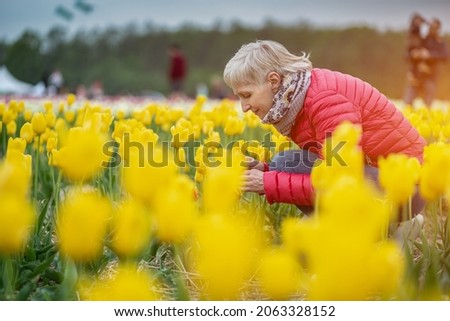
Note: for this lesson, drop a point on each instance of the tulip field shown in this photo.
(136, 200)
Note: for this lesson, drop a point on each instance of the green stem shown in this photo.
(405, 213)
(111, 191)
(3, 140)
(410, 208)
(57, 191)
(316, 203)
(36, 169)
(70, 281)
(435, 211)
(8, 277)
(181, 293)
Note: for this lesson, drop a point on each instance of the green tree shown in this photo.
(24, 59)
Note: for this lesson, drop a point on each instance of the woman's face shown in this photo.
(258, 98)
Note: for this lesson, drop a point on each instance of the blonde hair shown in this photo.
(255, 60)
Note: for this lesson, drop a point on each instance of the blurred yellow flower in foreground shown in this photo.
(82, 155)
(18, 144)
(279, 274)
(342, 157)
(225, 250)
(342, 247)
(223, 180)
(398, 175)
(127, 284)
(131, 227)
(435, 175)
(147, 170)
(175, 210)
(356, 209)
(11, 128)
(82, 224)
(16, 222)
(15, 173)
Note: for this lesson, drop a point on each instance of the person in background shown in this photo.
(81, 92)
(218, 90)
(424, 55)
(177, 71)
(56, 82)
(306, 104)
(96, 90)
(44, 80)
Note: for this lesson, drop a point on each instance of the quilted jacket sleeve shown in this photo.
(283, 187)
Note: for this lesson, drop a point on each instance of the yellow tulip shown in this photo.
(252, 120)
(48, 106)
(207, 127)
(131, 227)
(82, 155)
(18, 144)
(225, 249)
(282, 143)
(145, 171)
(345, 234)
(51, 144)
(398, 175)
(279, 274)
(16, 222)
(127, 284)
(71, 99)
(27, 114)
(82, 225)
(385, 269)
(26, 132)
(221, 188)
(175, 210)
(50, 118)
(69, 115)
(120, 114)
(257, 151)
(342, 157)
(8, 116)
(181, 160)
(234, 126)
(15, 173)
(435, 174)
(11, 128)
(38, 123)
(181, 134)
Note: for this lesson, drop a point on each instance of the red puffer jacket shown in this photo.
(332, 98)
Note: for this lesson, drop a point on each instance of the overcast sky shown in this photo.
(39, 15)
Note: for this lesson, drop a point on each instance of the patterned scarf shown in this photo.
(288, 101)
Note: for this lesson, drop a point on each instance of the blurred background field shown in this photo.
(125, 46)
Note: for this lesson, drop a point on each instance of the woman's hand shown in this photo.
(252, 163)
(253, 181)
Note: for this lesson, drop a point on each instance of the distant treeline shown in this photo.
(132, 61)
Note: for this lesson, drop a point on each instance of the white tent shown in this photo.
(38, 90)
(10, 85)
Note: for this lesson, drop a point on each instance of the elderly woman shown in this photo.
(307, 104)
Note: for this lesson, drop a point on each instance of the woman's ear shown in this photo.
(275, 80)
